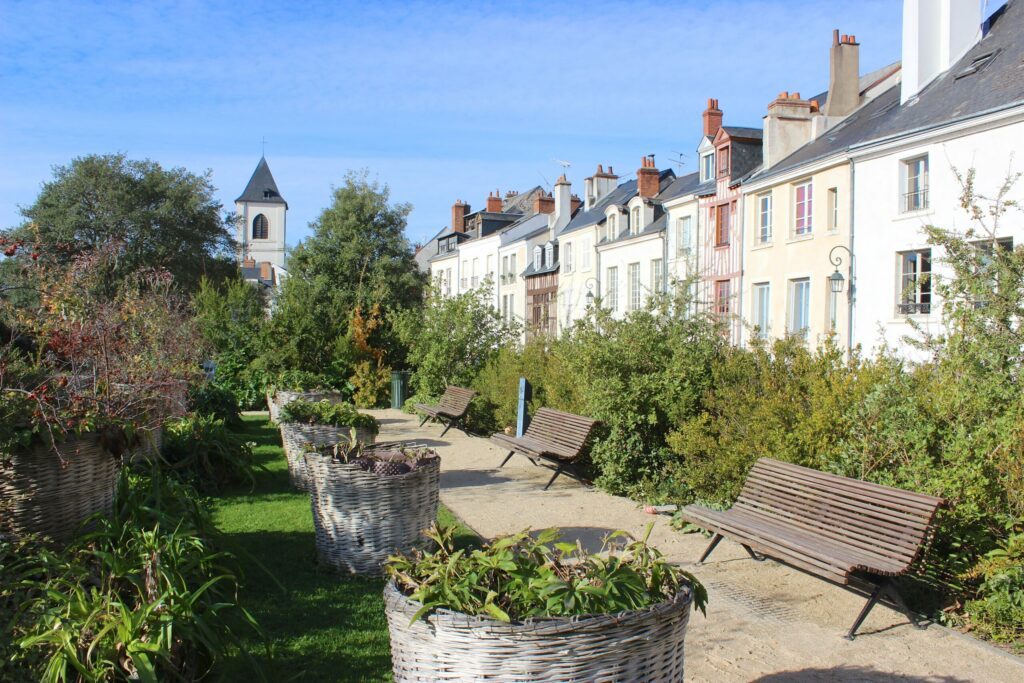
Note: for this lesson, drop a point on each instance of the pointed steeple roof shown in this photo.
(261, 187)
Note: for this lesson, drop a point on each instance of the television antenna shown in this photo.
(679, 159)
(564, 164)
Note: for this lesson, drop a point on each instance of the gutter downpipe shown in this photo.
(853, 263)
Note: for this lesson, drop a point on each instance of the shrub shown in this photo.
(202, 449)
(371, 384)
(146, 596)
(998, 611)
(327, 413)
(215, 400)
(522, 576)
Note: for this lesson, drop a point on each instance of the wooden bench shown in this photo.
(844, 530)
(451, 408)
(553, 436)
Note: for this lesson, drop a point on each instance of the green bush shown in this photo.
(202, 449)
(998, 611)
(215, 400)
(146, 595)
(327, 413)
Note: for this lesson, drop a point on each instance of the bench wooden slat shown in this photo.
(452, 406)
(923, 501)
(553, 435)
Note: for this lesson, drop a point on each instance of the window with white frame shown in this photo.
(684, 234)
(612, 288)
(833, 209)
(799, 306)
(567, 264)
(634, 222)
(915, 282)
(762, 309)
(490, 266)
(803, 207)
(512, 266)
(707, 166)
(915, 183)
(764, 218)
(464, 278)
(474, 277)
(657, 275)
(612, 227)
(504, 266)
(504, 307)
(723, 298)
(549, 254)
(448, 281)
(633, 283)
(585, 256)
(538, 257)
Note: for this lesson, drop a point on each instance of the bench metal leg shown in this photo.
(750, 551)
(551, 481)
(714, 544)
(424, 420)
(507, 458)
(446, 428)
(888, 589)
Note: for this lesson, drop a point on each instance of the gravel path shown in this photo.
(766, 621)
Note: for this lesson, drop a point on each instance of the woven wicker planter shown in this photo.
(360, 517)
(295, 436)
(148, 447)
(282, 398)
(645, 645)
(41, 493)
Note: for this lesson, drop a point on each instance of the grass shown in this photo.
(317, 625)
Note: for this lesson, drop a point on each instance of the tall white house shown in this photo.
(262, 220)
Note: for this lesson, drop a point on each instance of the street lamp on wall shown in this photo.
(836, 284)
(590, 284)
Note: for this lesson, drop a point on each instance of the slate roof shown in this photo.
(525, 228)
(543, 270)
(681, 186)
(744, 132)
(619, 196)
(952, 96)
(261, 187)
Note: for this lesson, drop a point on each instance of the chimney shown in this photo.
(843, 76)
(936, 33)
(598, 185)
(459, 212)
(647, 177)
(266, 271)
(574, 204)
(543, 203)
(788, 126)
(494, 204)
(249, 262)
(563, 204)
(712, 118)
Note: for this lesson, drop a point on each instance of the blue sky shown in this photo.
(440, 100)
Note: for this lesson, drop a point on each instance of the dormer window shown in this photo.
(613, 227)
(538, 258)
(266, 194)
(549, 254)
(707, 167)
(723, 161)
(634, 221)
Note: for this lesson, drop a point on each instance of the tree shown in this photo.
(160, 218)
(358, 261)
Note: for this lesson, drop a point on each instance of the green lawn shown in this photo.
(318, 625)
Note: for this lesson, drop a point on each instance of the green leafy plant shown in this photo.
(522, 575)
(201, 448)
(145, 596)
(327, 413)
(215, 400)
(998, 610)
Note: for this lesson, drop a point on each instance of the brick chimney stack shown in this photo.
(712, 118)
(459, 211)
(647, 177)
(843, 76)
(544, 203)
(494, 204)
(598, 185)
(249, 262)
(788, 125)
(574, 203)
(266, 271)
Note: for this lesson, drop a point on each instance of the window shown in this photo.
(915, 294)
(722, 298)
(804, 196)
(799, 306)
(633, 282)
(490, 265)
(833, 209)
(915, 184)
(612, 289)
(567, 257)
(634, 221)
(538, 257)
(657, 275)
(260, 227)
(764, 218)
(511, 306)
(684, 234)
(722, 225)
(512, 266)
(707, 167)
(474, 278)
(762, 309)
(723, 162)
(613, 227)
(549, 254)
(585, 256)
(504, 307)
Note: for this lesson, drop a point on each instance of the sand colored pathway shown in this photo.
(766, 622)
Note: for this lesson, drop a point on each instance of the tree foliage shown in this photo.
(162, 218)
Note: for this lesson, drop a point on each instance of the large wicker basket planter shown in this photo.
(361, 517)
(148, 447)
(295, 436)
(644, 645)
(52, 493)
(282, 398)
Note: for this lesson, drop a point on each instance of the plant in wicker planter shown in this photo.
(319, 423)
(369, 502)
(526, 608)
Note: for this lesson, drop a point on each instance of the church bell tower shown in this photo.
(262, 219)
